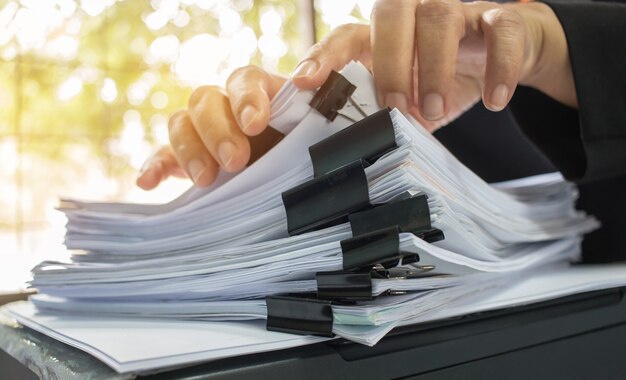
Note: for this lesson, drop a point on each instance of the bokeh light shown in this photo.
(70, 88)
(108, 93)
(87, 87)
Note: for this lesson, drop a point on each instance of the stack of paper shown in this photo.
(215, 254)
(130, 344)
(423, 238)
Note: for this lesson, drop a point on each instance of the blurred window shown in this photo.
(86, 88)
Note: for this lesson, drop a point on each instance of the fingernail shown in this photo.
(150, 174)
(432, 106)
(196, 169)
(247, 116)
(226, 152)
(145, 167)
(145, 172)
(499, 97)
(396, 100)
(306, 68)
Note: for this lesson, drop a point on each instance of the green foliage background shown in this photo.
(51, 148)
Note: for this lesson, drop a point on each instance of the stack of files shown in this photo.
(376, 183)
(141, 345)
(131, 231)
(249, 208)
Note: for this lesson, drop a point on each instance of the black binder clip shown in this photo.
(344, 286)
(327, 200)
(409, 214)
(404, 273)
(367, 139)
(263, 142)
(350, 287)
(377, 248)
(295, 315)
(333, 95)
(432, 235)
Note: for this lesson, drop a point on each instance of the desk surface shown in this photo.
(573, 337)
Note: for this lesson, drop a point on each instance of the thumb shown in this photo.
(350, 42)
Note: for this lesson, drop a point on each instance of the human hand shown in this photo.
(211, 133)
(437, 58)
(431, 58)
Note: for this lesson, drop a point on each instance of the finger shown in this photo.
(151, 174)
(393, 43)
(158, 168)
(430, 126)
(344, 44)
(214, 123)
(190, 151)
(439, 27)
(250, 90)
(165, 155)
(505, 40)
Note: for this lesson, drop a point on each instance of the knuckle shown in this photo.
(392, 12)
(325, 51)
(341, 43)
(179, 133)
(508, 31)
(245, 72)
(196, 114)
(505, 20)
(200, 93)
(246, 85)
(350, 32)
(183, 150)
(318, 49)
(348, 29)
(163, 153)
(175, 122)
(384, 6)
(440, 11)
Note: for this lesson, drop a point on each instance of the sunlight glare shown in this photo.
(230, 21)
(108, 92)
(93, 7)
(271, 22)
(70, 88)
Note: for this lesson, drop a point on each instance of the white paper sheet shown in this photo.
(137, 345)
(215, 255)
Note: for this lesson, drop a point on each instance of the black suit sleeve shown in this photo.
(588, 143)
